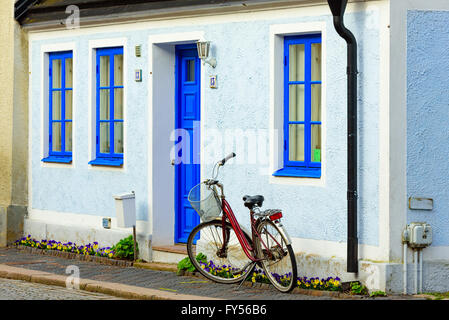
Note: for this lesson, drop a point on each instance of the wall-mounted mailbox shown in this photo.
(125, 209)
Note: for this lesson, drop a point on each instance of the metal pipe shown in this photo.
(415, 262)
(338, 8)
(404, 266)
(420, 255)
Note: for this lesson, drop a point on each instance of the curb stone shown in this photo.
(109, 288)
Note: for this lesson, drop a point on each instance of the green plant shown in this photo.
(378, 294)
(124, 249)
(186, 264)
(358, 288)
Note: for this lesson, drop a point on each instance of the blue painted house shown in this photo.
(119, 101)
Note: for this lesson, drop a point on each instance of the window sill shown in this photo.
(298, 172)
(58, 159)
(113, 162)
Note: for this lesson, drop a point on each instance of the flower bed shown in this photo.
(258, 276)
(89, 252)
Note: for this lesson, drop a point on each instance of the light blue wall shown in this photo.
(428, 118)
(241, 101)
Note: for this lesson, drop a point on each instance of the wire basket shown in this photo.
(205, 201)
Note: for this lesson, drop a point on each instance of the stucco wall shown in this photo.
(6, 99)
(13, 124)
(241, 101)
(427, 118)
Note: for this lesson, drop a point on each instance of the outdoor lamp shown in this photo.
(203, 48)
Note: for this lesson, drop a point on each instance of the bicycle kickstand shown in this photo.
(251, 266)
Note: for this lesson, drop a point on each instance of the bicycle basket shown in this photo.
(205, 202)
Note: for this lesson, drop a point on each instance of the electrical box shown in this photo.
(107, 223)
(419, 235)
(125, 209)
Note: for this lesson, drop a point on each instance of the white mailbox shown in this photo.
(125, 209)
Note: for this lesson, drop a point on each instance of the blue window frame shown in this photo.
(302, 107)
(109, 107)
(60, 107)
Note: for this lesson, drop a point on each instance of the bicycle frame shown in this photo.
(247, 248)
(228, 214)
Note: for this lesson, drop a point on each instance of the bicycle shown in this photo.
(224, 252)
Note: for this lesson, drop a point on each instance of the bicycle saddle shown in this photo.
(250, 202)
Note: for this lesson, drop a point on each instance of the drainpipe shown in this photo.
(338, 8)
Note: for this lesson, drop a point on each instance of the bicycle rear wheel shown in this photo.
(223, 264)
(278, 258)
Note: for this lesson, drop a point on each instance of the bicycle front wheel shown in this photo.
(216, 255)
(278, 258)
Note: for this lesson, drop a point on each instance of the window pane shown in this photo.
(190, 70)
(118, 137)
(104, 137)
(68, 136)
(118, 104)
(68, 104)
(316, 143)
(104, 71)
(56, 136)
(296, 102)
(104, 104)
(56, 73)
(316, 102)
(56, 105)
(316, 61)
(118, 70)
(296, 142)
(68, 73)
(296, 62)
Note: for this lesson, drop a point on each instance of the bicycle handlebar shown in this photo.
(229, 156)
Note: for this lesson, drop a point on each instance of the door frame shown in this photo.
(161, 117)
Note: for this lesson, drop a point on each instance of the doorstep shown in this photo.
(169, 253)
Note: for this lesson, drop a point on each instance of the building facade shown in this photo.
(116, 100)
(13, 125)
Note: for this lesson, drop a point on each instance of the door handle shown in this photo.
(173, 162)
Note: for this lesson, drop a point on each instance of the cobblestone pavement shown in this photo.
(24, 290)
(161, 280)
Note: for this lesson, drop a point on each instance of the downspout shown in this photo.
(338, 8)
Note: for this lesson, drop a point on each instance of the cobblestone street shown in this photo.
(23, 290)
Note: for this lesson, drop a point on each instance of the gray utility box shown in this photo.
(419, 235)
(125, 210)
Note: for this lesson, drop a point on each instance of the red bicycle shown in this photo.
(223, 251)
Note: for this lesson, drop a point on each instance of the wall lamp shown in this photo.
(203, 48)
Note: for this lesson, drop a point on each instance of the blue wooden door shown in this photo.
(187, 114)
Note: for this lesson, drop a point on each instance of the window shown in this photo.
(60, 107)
(109, 107)
(302, 107)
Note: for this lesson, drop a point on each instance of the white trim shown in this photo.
(167, 62)
(91, 83)
(384, 226)
(276, 35)
(44, 65)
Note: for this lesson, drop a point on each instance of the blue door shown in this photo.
(187, 114)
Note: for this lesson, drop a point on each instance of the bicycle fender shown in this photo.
(284, 233)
